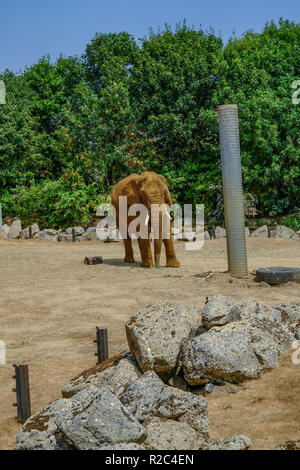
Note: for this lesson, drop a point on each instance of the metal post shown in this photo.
(102, 344)
(0, 216)
(30, 231)
(73, 235)
(233, 190)
(23, 392)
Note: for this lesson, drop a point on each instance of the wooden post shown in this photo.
(102, 344)
(23, 392)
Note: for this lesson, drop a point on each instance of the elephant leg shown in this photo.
(146, 254)
(128, 251)
(172, 261)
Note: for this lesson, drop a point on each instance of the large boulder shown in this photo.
(148, 397)
(296, 235)
(48, 234)
(39, 431)
(15, 229)
(65, 237)
(240, 350)
(261, 232)
(218, 311)
(282, 232)
(34, 229)
(89, 234)
(235, 442)
(220, 232)
(156, 334)
(78, 231)
(4, 231)
(220, 355)
(100, 419)
(171, 435)
(116, 378)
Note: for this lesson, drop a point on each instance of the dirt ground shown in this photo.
(51, 303)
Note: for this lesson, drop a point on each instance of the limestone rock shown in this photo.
(78, 231)
(218, 311)
(129, 446)
(65, 237)
(4, 231)
(38, 432)
(171, 435)
(235, 442)
(48, 234)
(34, 229)
(15, 229)
(102, 420)
(220, 232)
(149, 397)
(89, 235)
(156, 333)
(116, 378)
(261, 232)
(282, 232)
(296, 235)
(220, 354)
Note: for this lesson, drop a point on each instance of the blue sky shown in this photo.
(30, 29)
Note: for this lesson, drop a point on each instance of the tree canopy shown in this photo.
(70, 129)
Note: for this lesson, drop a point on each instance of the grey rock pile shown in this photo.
(153, 397)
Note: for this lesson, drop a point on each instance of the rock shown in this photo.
(175, 231)
(34, 229)
(171, 435)
(282, 232)
(289, 312)
(247, 232)
(15, 229)
(65, 237)
(236, 442)
(289, 445)
(103, 234)
(90, 234)
(297, 334)
(220, 354)
(78, 231)
(116, 378)
(129, 446)
(220, 232)
(240, 350)
(218, 311)
(4, 231)
(100, 420)
(188, 236)
(48, 234)
(114, 235)
(206, 235)
(38, 432)
(156, 333)
(210, 388)
(148, 397)
(261, 232)
(296, 236)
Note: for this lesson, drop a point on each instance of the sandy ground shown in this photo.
(50, 304)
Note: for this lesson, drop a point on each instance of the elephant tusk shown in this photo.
(167, 213)
(147, 220)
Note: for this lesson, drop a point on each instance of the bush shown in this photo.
(291, 221)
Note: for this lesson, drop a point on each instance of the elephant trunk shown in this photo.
(157, 229)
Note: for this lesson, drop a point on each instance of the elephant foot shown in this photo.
(147, 264)
(173, 263)
(128, 259)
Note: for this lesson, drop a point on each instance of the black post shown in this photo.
(30, 231)
(102, 344)
(73, 234)
(23, 392)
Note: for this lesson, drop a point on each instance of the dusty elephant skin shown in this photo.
(149, 189)
(155, 335)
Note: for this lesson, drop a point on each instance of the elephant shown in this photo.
(147, 188)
